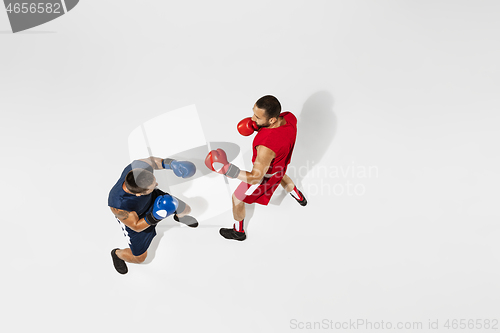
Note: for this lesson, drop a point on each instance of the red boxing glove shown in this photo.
(216, 161)
(247, 126)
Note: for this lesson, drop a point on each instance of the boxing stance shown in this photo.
(272, 152)
(139, 206)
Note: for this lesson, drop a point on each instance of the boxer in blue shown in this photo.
(139, 206)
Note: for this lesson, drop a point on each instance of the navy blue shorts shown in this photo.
(139, 241)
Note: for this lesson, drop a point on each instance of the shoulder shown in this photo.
(265, 151)
(263, 136)
(116, 194)
(267, 143)
(289, 117)
(120, 213)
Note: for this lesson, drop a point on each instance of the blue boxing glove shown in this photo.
(164, 205)
(184, 169)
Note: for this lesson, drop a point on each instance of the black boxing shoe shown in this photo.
(187, 220)
(302, 202)
(230, 233)
(120, 265)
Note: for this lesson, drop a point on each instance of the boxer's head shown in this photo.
(266, 111)
(140, 182)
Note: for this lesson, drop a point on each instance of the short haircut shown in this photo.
(137, 181)
(271, 105)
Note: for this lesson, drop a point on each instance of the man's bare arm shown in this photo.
(262, 162)
(155, 162)
(130, 219)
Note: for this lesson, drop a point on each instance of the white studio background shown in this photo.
(397, 153)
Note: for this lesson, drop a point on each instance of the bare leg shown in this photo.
(236, 232)
(126, 254)
(186, 219)
(287, 183)
(289, 187)
(186, 211)
(238, 209)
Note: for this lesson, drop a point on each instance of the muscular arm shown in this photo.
(155, 162)
(130, 219)
(262, 162)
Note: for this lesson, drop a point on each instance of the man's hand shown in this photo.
(247, 126)
(164, 205)
(216, 160)
(184, 169)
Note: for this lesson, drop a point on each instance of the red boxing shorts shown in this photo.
(258, 193)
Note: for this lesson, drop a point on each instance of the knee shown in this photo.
(236, 201)
(238, 205)
(187, 210)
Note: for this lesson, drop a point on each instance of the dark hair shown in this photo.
(137, 181)
(271, 105)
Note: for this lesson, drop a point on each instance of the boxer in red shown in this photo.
(272, 152)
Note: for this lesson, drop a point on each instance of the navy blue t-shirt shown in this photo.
(120, 199)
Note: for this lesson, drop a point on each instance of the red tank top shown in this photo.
(281, 140)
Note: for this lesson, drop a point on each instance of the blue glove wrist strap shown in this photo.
(165, 163)
(151, 220)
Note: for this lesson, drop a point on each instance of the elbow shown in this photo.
(135, 227)
(254, 179)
